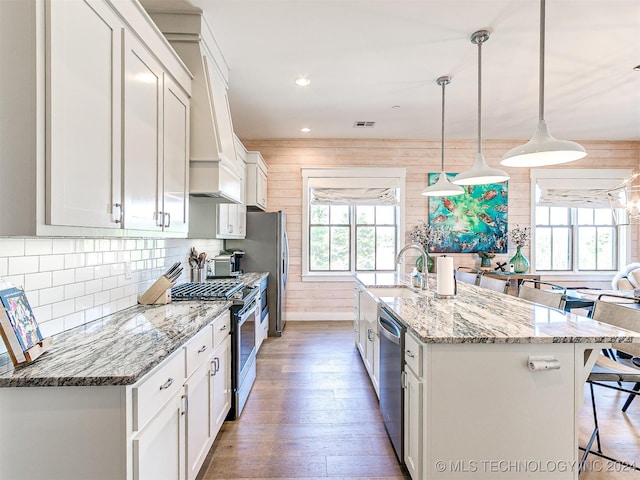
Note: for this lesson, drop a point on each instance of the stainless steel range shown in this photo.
(244, 317)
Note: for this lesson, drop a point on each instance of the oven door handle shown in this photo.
(246, 314)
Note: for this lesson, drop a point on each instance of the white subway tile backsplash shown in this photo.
(85, 245)
(93, 286)
(72, 281)
(85, 302)
(12, 247)
(63, 277)
(51, 327)
(74, 260)
(37, 281)
(51, 262)
(84, 274)
(51, 295)
(103, 245)
(22, 265)
(38, 246)
(64, 308)
(64, 245)
(73, 290)
(73, 320)
(109, 257)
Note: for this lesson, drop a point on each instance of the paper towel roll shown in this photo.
(445, 282)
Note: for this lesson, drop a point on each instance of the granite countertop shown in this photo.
(479, 315)
(115, 350)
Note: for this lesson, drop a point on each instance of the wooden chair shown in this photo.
(609, 373)
(468, 275)
(497, 284)
(553, 297)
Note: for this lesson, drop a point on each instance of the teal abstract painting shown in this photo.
(473, 222)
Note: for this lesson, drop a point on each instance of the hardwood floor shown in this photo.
(313, 414)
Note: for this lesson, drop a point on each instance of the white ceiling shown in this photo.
(365, 56)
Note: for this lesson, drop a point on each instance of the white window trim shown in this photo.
(346, 172)
(578, 173)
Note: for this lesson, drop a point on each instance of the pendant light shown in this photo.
(543, 149)
(443, 187)
(480, 173)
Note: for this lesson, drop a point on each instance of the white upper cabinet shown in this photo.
(256, 181)
(99, 104)
(213, 164)
(155, 145)
(84, 115)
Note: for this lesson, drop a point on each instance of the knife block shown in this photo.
(159, 293)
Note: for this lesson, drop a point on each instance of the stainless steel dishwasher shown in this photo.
(391, 365)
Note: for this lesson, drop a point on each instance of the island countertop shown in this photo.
(115, 350)
(480, 315)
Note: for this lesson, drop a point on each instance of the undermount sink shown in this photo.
(398, 291)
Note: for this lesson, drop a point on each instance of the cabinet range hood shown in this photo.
(213, 167)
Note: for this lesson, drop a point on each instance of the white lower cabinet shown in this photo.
(158, 449)
(367, 337)
(220, 385)
(198, 390)
(413, 410)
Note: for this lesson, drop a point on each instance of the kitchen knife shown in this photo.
(172, 269)
(175, 274)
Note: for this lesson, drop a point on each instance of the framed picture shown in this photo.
(19, 328)
(473, 222)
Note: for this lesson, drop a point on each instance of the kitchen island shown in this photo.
(474, 409)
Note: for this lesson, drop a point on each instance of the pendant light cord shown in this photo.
(479, 94)
(541, 80)
(444, 83)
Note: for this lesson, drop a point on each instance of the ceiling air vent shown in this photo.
(362, 124)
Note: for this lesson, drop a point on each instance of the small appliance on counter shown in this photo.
(225, 265)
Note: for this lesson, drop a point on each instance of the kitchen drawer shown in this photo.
(198, 349)
(413, 354)
(156, 388)
(221, 328)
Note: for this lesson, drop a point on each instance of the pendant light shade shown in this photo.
(443, 187)
(480, 173)
(543, 149)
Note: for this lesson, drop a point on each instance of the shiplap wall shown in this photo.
(328, 300)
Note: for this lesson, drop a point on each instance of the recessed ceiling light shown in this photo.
(637, 68)
(302, 81)
(305, 129)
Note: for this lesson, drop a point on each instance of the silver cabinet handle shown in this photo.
(215, 363)
(370, 334)
(223, 327)
(160, 223)
(119, 217)
(403, 379)
(409, 353)
(185, 404)
(202, 349)
(167, 222)
(166, 384)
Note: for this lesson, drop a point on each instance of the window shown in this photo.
(351, 221)
(574, 230)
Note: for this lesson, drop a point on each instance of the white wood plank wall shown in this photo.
(326, 301)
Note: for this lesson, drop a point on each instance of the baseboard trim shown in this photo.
(318, 316)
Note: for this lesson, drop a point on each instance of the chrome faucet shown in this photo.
(416, 246)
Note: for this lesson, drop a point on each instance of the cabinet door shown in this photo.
(223, 227)
(221, 384)
(241, 219)
(158, 450)
(261, 189)
(198, 390)
(176, 158)
(143, 94)
(83, 115)
(413, 423)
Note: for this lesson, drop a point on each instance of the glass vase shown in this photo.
(430, 263)
(519, 262)
(485, 262)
